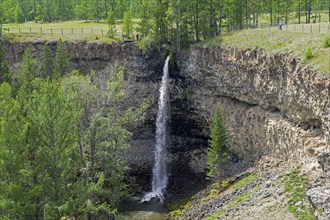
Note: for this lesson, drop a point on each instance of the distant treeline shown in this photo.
(179, 21)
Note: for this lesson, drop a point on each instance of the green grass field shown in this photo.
(275, 41)
(67, 30)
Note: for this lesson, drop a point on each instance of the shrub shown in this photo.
(146, 45)
(309, 54)
(326, 42)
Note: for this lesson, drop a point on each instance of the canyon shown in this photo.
(273, 106)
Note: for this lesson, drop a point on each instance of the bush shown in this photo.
(326, 42)
(146, 45)
(308, 54)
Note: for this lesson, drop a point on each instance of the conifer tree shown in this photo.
(13, 157)
(62, 63)
(52, 120)
(111, 22)
(19, 17)
(145, 24)
(26, 75)
(127, 24)
(217, 152)
(5, 75)
(47, 62)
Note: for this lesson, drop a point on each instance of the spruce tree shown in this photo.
(26, 75)
(127, 24)
(14, 202)
(19, 17)
(5, 75)
(145, 24)
(217, 151)
(52, 122)
(47, 62)
(111, 22)
(62, 63)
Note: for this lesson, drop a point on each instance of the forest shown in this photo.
(178, 21)
(61, 140)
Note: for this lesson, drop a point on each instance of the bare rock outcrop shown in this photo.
(272, 105)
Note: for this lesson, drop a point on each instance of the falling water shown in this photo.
(159, 172)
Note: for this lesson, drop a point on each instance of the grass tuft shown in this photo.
(326, 42)
(236, 202)
(309, 54)
(296, 185)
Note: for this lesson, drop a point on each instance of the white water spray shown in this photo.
(159, 172)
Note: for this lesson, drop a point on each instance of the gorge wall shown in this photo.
(271, 104)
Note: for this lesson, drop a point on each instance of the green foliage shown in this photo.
(19, 17)
(236, 202)
(217, 152)
(295, 185)
(176, 210)
(326, 42)
(5, 74)
(246, 180)
(25, 76)
(47, 62)
(309, 54)
(62, 63)
(127, 24)
(145, 24)
(81, 11)
(13, 175)
(146, 45)
(111, 22)
(239, 184)
(62, 144)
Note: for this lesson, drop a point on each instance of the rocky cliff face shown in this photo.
(272, 105)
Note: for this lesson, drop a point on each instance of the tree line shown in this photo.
(177, 21)
(61, 140)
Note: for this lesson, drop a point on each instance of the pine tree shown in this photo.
(145, 24)
(47, 62)
(102, 135)
(217, 152)
(127, 24)
(13, 157)
(5, 74)
(19, 17)
(62, 63)
(111, 22)
(52, 119)
(26, 75)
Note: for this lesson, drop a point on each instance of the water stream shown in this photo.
(159, 172)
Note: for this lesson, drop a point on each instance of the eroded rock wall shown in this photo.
(272, 105)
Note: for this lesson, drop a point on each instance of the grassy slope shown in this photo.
(281, 41)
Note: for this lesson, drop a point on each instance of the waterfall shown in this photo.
(159, 172)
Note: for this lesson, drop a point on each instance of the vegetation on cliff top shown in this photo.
(276, 41)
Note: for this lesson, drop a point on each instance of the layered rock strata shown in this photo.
(272, 105)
